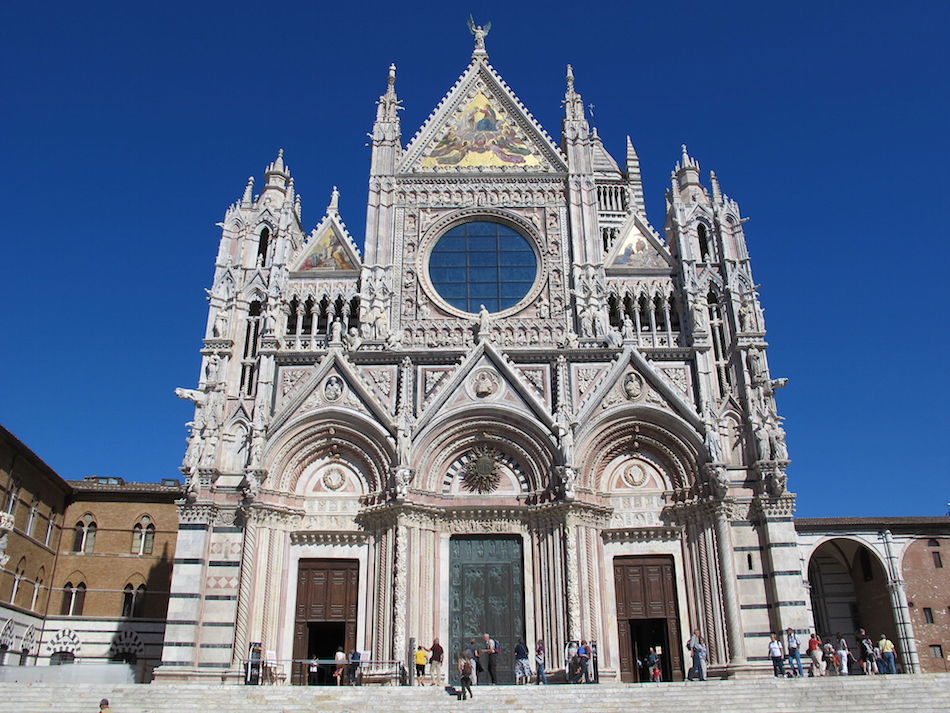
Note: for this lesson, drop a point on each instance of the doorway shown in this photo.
(647, 615)
(486, 595)
(324, 617)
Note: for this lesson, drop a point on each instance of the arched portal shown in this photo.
(849, 591)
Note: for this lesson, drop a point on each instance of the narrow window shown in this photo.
(37, 586)
(128, 600)
(31, 520)
(262, 244)
(49, 531)
(148, 543)
(933, 543)
(748, 559)
(24, 657)
(138, 608)
(61, 658)
(137, 539)
(928, 615)
(12, 498)
(67, 599)
(938, 561)
(703, 243)
(251, 338)
(936, 650)
(866, 570)
(79, 599)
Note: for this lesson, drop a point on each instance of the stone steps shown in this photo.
(893, 694)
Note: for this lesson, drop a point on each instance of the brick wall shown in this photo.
(928, 587)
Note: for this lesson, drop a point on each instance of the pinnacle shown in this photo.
(334, 207)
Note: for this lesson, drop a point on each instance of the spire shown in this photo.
(289, 193)
(334, 207)
(388, 103)
(687, 170)
(716, 190)
(633, 176)
(277, 174)
(248, 196)
(573, 103)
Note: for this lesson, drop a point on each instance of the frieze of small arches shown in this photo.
(645, 311)
(314, 316)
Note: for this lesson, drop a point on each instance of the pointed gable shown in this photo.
(329, 248)
(638, 247)
(481, 125)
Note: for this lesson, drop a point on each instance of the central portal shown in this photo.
(486, 595)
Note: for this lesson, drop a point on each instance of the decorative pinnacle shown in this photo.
(334, 207)
(391, 82)
(248, 191)
(570, 79)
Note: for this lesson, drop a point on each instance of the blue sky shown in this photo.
(128, 128)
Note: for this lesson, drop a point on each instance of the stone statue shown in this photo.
(198, 398)
(484, 323)
(542, 306)
(633, 386)
(568, 482)
(746, 317)
(763, 442)
(713, 441)
(211, 369)
(699, 318)
(333, 389)
(402, 479)
(336, 332)
(756, 367)
(777, 442)
(614, 338)
(629, 331)
(220, 328)
(564, 427)
(353, 340)
(479, 32)
(404, 440)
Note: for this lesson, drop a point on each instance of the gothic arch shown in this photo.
(65, 640)
(447, 439)
(356, 440)
(670, 443)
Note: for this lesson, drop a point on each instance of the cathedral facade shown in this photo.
(521, 410)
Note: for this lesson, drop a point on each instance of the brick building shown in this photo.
(86, 564)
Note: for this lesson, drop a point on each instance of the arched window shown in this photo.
(18, 575)
(31, 519)
(85, 535)
(720, 346)
(37, 586)
(74, 598)
(49, 531)
(703, 243)
(13, 495)
(133, 601)
(262, 244)
(251, 339)
(62, 657)
(143, 536)
(933, 543)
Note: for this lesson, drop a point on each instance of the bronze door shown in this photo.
(647, 615)
(325, 615)
(486, 595)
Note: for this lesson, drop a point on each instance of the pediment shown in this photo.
(481, 126)
(637, 248)
(328, 249)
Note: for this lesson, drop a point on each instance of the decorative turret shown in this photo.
(248, 198)
(277, 175)
(633, 177)
(687, 170)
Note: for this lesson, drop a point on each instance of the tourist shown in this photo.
(866, 652)
(522, 666)
(844, 653)
(436, 655)
(830, 658)
(793, 652)
(314, 670)
(489, 655)
(465, 670)
(653, 665)
(421, 659)
(474, 655)
(887, 654)
(104, 705)
(583, 652)
(354, 666)
(816, 655)
(339, 658)
(696, 671)
(777, 654)
(539, 661)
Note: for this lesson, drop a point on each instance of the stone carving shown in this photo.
(757, 372)
(402, 479)
(336, 332)
(375, 302)
(478, 32)
(633, 386)
(333, 388)
(564, 426)
(634, 475)
(484, 324)
(485, 383)
(352, 341)
(628, 331)
(566, 478)
(482, 473)
(334, 479)
(590, 296)
(712, 438)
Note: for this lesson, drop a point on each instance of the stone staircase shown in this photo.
(889, 694)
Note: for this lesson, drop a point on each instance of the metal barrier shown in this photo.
(310, 672)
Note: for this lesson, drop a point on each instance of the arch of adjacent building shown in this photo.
(658, 436)
(523, 442)
(848, 579)
(336, 434)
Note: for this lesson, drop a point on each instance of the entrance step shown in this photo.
(927, 693)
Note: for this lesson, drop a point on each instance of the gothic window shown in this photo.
(482, 263)
(262, 245)
(49, 531)
(252, 337)
(62, 657)
(306, 326)
(143, 536)
(703, 238)
(294, 307)
(12, 495)
(133, 601)
(928, 615)
(720, 350)
(354, 320)
(18, 575)
(74, 598)
(37, 586)
(674, 314)
(84, 539)
(933, 543)
(31, 519)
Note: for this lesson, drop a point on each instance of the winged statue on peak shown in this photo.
(479, 32)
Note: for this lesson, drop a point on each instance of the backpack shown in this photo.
(467, 668)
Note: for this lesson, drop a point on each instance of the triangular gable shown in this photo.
(485, 358)
(638, 247)
(328, 248)
(652, 386)
(481, 125)
(321, 391)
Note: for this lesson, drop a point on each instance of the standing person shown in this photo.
(794, 653)
(314, 670)
(697, 671)
(583, 652)
(339, 659)
(777, 655)
(888, 654)
(465, 676)
(475, 658)
(815, 654)
(489, 655)
(354, 666)
(540, 661)
(522, 667)
(830, 658)
(844, 653)
(421, 658)
(104, 705)
(653, 665)
(436, 656)
(866, 652)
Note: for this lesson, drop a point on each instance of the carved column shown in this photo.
(244, 593)
(906, 643)
(730, 592)
(400, 582)
(573, 585)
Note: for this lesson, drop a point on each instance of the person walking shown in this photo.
(339, 659)
(421, 658)
(830, 658)
(844, 653)
(522, 666)
(816, 656)
(695, 672)
(489, 657)
(466, 670)
(583, 652)
(436, 655)
(354, 666)
(474, 657)
(866, 652)
(793, 651)
(540, 661)
(777, 654)
(888, 654)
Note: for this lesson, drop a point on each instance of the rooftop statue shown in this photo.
(479, 32)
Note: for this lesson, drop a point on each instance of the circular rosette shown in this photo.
(482, 471)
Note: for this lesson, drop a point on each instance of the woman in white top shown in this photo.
(340, 660)
(777, 654)
(843, 654)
